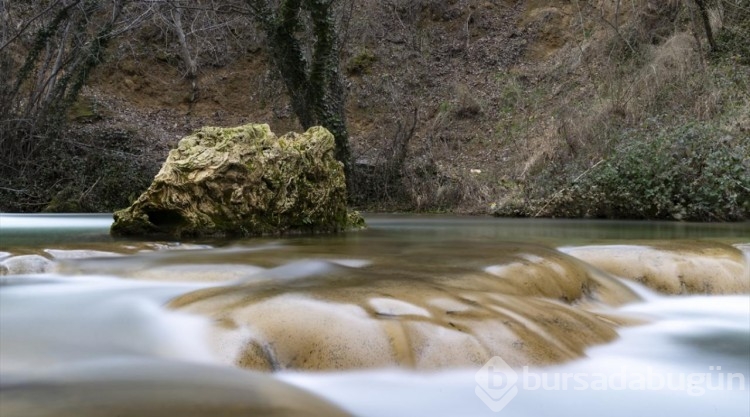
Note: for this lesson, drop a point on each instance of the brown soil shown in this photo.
(446, 59)
(501, 89)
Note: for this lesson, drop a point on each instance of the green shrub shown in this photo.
(693, 172)
(734, 37)
(361, 63)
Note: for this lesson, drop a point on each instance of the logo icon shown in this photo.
(496, 384)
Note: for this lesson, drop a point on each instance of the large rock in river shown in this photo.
(243, 181)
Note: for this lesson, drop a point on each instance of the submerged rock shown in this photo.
(673, 267)
(533, 306)
(156, 388)
(59, 254)
(25, 264)
(243, 181)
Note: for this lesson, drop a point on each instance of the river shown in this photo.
(415, 316)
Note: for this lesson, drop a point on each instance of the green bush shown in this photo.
(693, 172)
(734, 38)
(361, 63)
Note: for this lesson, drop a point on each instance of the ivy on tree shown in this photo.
(314, 84)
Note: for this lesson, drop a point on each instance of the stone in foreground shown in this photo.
(243, 181)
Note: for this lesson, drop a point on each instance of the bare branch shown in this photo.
(26, 25)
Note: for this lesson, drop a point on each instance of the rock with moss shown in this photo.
(243, 181)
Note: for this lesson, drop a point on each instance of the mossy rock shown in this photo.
(65, 201)
(243, 181)
(84, 110)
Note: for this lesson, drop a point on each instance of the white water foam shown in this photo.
(12, 222)
(689, 336)
(61, 320)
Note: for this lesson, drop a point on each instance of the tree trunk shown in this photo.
(191, 63)
(315, 87)
(706, 23)
(325, 81)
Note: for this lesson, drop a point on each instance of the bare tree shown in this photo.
(51, 55)
(47, 51)
(194, 25)
(188, 58)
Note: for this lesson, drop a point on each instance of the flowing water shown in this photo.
(415, 316)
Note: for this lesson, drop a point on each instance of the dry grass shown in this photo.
(514, 98)
(671, 61)
(623, 68)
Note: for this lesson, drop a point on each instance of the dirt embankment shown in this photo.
(490, 100)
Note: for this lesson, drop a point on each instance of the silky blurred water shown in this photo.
(98, 313)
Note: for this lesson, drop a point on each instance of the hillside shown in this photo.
(524, 108)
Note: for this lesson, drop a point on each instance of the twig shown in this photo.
(554, 196)
(14, 190)
(88, 191)
(466, 28)
(617, 31)
(29, 22)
